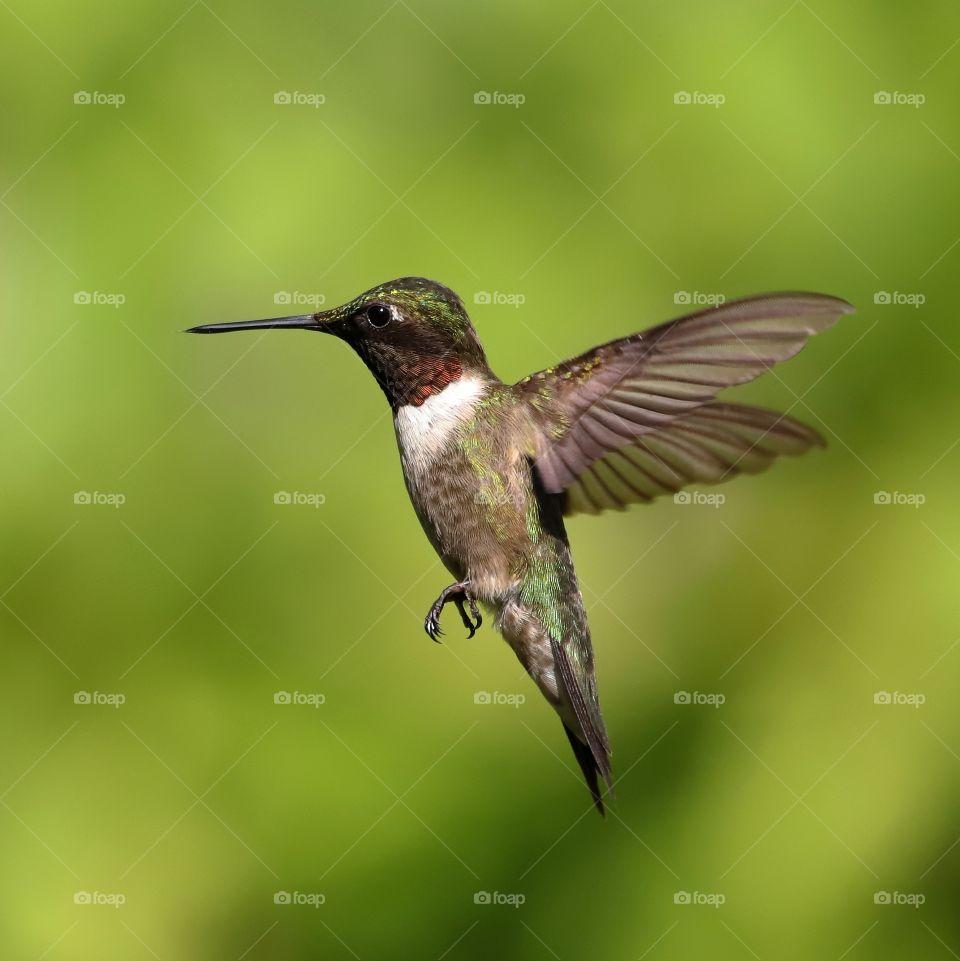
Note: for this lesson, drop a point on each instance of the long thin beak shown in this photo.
(300, 322)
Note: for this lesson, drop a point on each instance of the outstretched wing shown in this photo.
(648, 399)
(708, 445)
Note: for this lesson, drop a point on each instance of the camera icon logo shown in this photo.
(482, 96)
(881, 897)
(682, 97)
(283, 96)
(82, 497)
(681, 697)
(281, 897)
(81, 697)
(482, 297)
(81, 897)
(282, 697)
(82, 297)
(482, 897)
(283, 297)
(482, 697)
(282, 497)
(682, 497)
(82, 96)
(882, 97)
(681, 897)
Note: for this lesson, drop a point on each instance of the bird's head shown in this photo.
(413, 334)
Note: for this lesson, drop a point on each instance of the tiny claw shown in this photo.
(432, 626)
(459, 594)
(467, 623)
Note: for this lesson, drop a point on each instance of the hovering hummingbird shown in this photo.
(492, 468)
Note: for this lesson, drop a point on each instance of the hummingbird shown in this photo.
(493, 468)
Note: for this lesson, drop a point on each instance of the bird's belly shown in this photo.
(470, 485)
(477, 521)
(479, 535)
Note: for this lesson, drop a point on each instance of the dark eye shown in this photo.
(379, 315)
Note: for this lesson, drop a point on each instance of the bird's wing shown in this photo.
(637, 417)
(705, 446)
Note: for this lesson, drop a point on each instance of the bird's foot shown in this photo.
(460, 595)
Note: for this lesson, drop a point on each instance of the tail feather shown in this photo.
(545, 623)
(589, 767)
(590, 745)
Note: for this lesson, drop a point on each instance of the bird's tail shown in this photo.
(545, 623)
(580, 712)
(563, 670)
(589, 767)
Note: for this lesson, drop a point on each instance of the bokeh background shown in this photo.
(800, 818)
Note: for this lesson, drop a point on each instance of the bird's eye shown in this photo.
(379, 315)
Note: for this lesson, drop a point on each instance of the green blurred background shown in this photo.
(604, 205)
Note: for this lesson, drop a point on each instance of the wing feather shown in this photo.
(707, 446)
(637, 417)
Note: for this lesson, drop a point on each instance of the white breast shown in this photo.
(423, 432)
